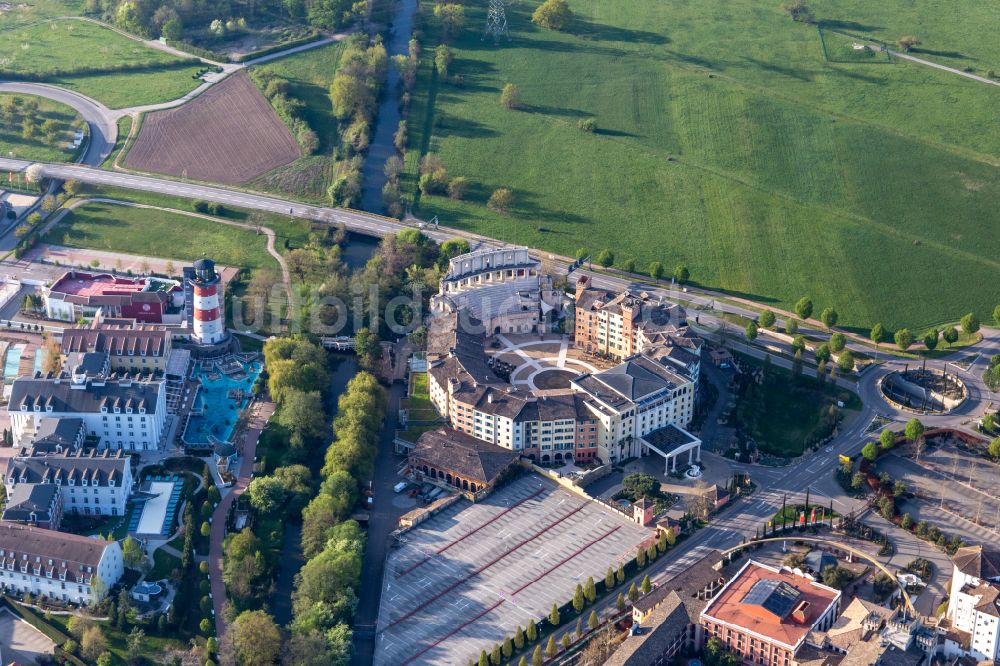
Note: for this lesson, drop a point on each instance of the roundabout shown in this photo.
(922, 391)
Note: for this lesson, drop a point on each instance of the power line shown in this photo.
(496, 21)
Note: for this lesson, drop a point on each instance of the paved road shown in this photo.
(261, 413)
(944, 68)
(102, 121)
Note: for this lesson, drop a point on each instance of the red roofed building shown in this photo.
(148, 300)
(764, 614)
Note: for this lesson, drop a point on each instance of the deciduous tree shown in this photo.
(552, 15)
(510, 97)
(970, 323)
(904, 338)
(501, 201)
(804, 308)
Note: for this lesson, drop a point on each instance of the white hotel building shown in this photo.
(974, 602)
(58, 565)
(125, 413)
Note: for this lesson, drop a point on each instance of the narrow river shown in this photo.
(381, 148)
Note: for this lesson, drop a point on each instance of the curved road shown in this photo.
(103, 121)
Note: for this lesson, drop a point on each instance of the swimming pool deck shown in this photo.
(154, 518)
(214, 412)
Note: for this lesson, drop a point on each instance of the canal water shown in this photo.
(387, 122)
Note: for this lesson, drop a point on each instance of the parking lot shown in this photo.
(20, 642)
(954, 488)
(473, 573)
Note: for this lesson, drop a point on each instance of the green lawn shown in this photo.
(419, 401)
(289, 233)
(956, 37)
(163, 564)
(155, 233)
(22, 13)
(96, 62)
(57, 147)
(309, 74)
(725, 140)
(784, 415)
(124, 127)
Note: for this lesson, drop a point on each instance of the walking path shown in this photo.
(260, 414)
(944, 68)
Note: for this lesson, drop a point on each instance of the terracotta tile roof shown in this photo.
(453, 451)
(666, 625)
(756, 600)
(700, 575)
(977, 561)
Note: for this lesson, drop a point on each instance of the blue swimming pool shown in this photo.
(12, 362)
(225, 391)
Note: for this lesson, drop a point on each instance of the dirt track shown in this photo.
(228, 135)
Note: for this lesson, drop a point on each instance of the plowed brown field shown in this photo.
(229, 134)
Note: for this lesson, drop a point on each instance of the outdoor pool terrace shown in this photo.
(225, 388)
(156, 507)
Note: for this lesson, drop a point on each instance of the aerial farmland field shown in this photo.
(227, 135)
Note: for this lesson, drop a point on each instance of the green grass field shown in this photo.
(96, 62)
(726, 141)
(41, 147)
(289, 233)
(309, 74)
(956, 36)
(155, 233)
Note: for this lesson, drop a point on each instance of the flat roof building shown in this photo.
(764, 614)
(78, 295)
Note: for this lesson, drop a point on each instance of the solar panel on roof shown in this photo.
(775, 596)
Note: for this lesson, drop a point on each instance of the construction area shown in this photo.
(470, 575)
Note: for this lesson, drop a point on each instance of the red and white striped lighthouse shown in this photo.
(207, 316)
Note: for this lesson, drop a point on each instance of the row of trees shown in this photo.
(354, 95)
(289, 108)
(173, 19)
(326, 588)
(656, 270)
